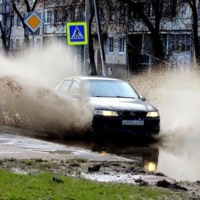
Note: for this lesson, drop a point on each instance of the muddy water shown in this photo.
(27, 99)
(180, 160)
(177, 161)
(176, 93)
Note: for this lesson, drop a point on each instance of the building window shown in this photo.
(121, 45)
(49, 16)
(72, 16)
(180, 43)
(110, 45)
(64, 15)
(185, 10)
(60, 15)
(55, 15)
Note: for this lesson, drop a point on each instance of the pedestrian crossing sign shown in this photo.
(77, 33)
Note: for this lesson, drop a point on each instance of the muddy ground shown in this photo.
(116, 170)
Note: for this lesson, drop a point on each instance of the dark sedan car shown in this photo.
(118, 108)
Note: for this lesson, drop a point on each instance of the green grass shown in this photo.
(43, 187)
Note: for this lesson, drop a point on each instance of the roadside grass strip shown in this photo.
(50, 186)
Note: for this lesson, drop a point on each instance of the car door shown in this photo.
(75, 89)
(65, 87)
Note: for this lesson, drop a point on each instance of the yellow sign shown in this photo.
(33, 21)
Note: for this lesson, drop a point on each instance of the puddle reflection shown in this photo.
(146, 156)
(176, 160)
(180, 160)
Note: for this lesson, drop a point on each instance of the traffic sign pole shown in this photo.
(33, 22)
(33, 36)
(102, 52)
(86, 47)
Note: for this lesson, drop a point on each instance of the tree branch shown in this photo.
(27, 5)
(34, 5)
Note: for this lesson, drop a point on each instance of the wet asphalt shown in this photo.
(176, 160)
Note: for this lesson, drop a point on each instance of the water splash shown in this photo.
(176, 94)
(27, 99)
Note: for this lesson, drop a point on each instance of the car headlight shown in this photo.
(153, 114)
(106, 113)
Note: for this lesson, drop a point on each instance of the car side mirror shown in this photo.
(142, 98)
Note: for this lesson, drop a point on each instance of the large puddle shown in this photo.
(178, 161)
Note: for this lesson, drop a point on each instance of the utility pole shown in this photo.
(86, 47)
(102, 52)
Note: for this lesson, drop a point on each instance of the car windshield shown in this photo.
(110, 88)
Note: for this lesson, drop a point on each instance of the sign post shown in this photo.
(33, 22)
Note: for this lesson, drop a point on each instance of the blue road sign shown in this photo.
(77, 33)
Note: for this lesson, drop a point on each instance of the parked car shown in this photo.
(118, 108)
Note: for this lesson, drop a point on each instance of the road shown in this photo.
(15, 145)
(177, 160)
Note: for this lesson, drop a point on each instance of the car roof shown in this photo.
(93, 78)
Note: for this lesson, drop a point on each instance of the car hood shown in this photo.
(121, 104)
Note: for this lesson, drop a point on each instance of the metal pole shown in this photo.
(33, 39)
(103, 59)
(86, 47)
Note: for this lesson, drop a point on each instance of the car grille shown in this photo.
(132, 114)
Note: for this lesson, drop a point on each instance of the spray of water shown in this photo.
(27, 99)
(176, 93)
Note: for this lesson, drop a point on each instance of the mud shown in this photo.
(27, 96)
(113, 171)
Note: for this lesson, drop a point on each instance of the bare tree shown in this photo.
(149, 18)
(194, 5)
(91, 47)
(6, 25)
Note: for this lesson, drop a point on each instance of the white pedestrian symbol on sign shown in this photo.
(77, 34)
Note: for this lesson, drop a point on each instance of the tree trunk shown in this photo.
(4, 40)
(91, 48)
(5, 47)
(153, 27)
(195, 33)
(158, 48)
(92, 60)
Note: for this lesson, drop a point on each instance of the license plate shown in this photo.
(133, 122)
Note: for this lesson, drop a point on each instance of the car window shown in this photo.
(75, 88)
(102, 88)
(64, 88)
